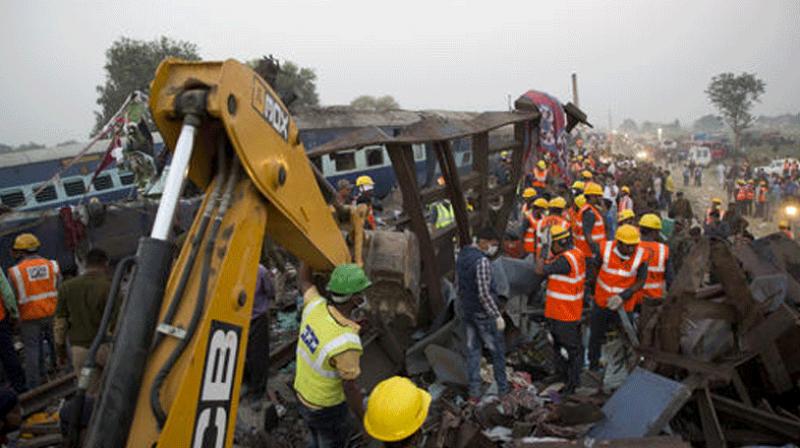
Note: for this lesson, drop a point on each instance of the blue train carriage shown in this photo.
(321, 125)
(22, 174)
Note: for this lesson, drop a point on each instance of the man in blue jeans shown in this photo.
(481, 316)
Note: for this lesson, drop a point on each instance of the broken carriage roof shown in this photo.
(429, 126)
(64, 151)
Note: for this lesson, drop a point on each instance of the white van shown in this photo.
(700, 155)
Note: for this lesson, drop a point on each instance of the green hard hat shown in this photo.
(348, 279)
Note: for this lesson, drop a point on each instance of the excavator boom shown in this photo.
(174, 375)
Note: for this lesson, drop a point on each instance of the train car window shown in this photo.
(344, 161)
(466, 158)
(13, 198)
(317, 161)
(375, 157)
(74, 187)
(126, 178)
(103, 182)
(47, 193)
(419, 152)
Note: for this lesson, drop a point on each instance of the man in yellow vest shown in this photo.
(36, 281)
(396, 410)
(328, 356)
(442, 214)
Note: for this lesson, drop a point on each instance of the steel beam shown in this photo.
(447, 164)
(522, 133)
(402, 158)
(480, 166)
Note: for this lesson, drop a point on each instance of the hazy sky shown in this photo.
(643, 59)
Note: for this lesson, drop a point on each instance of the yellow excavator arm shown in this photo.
(174, 375)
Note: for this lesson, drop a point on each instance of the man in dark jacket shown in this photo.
(478, 304)
(681, 208)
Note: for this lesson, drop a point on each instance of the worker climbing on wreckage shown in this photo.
(480, 311)
(328, 356)
(566, 278)
(623, 271)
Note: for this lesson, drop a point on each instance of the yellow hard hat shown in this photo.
(650, 221)
(580, 200)
(541, 164)
(625, 189)
(504, 154)
(593, 189)
(716, 201)
(625, 214)
(628, 234)
(27, 242)
(578, 185)
(586, 174)
(364, 180)
(529, 193)
(558, 232)
(739, 181)
(580, 158)
(783, 224)
(557, 202)
(541, 202)
(396, 409)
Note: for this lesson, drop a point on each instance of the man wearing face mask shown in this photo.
(623, 271)
(480, 314)
(328, 354)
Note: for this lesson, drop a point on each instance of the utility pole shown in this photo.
(575, 90)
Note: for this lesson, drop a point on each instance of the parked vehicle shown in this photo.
(776, 166)
(700, 155)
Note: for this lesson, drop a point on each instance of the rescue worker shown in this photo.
(328, 355)
(566, 275)
(577, 203)
(590, 230)
(531, 222)
(741, 197)
(442, 214)
(623, 272)
(659, 269)
(554, 210)
(761, 200)
(81, 303)
(785, 228)
(480, 314)
(8, 356)
(586, 175)
(626, 217)
(528, 196)
(396, 410)
(540, 174)
(716, 205)
(36, 281)
(364, 194)
(625, 201)
(750, 194)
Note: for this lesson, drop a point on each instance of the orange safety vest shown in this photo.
(711, 210)
(762, 194)
(750, 193)
(541, 229)
(616, 274)
(564, 295)
(597, 234)
(529, 243)
(540, 177)
(655, 287)
(741, 194)
(36, 282)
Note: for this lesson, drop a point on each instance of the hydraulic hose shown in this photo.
(202, 292)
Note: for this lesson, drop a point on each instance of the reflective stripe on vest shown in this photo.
(617, 274)
(320, 339)
(36, 282)
(625, 203)
(564, 295)
(598, 233)
(655, 286)
(711, 210)
(444, 215)
(529, 241)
